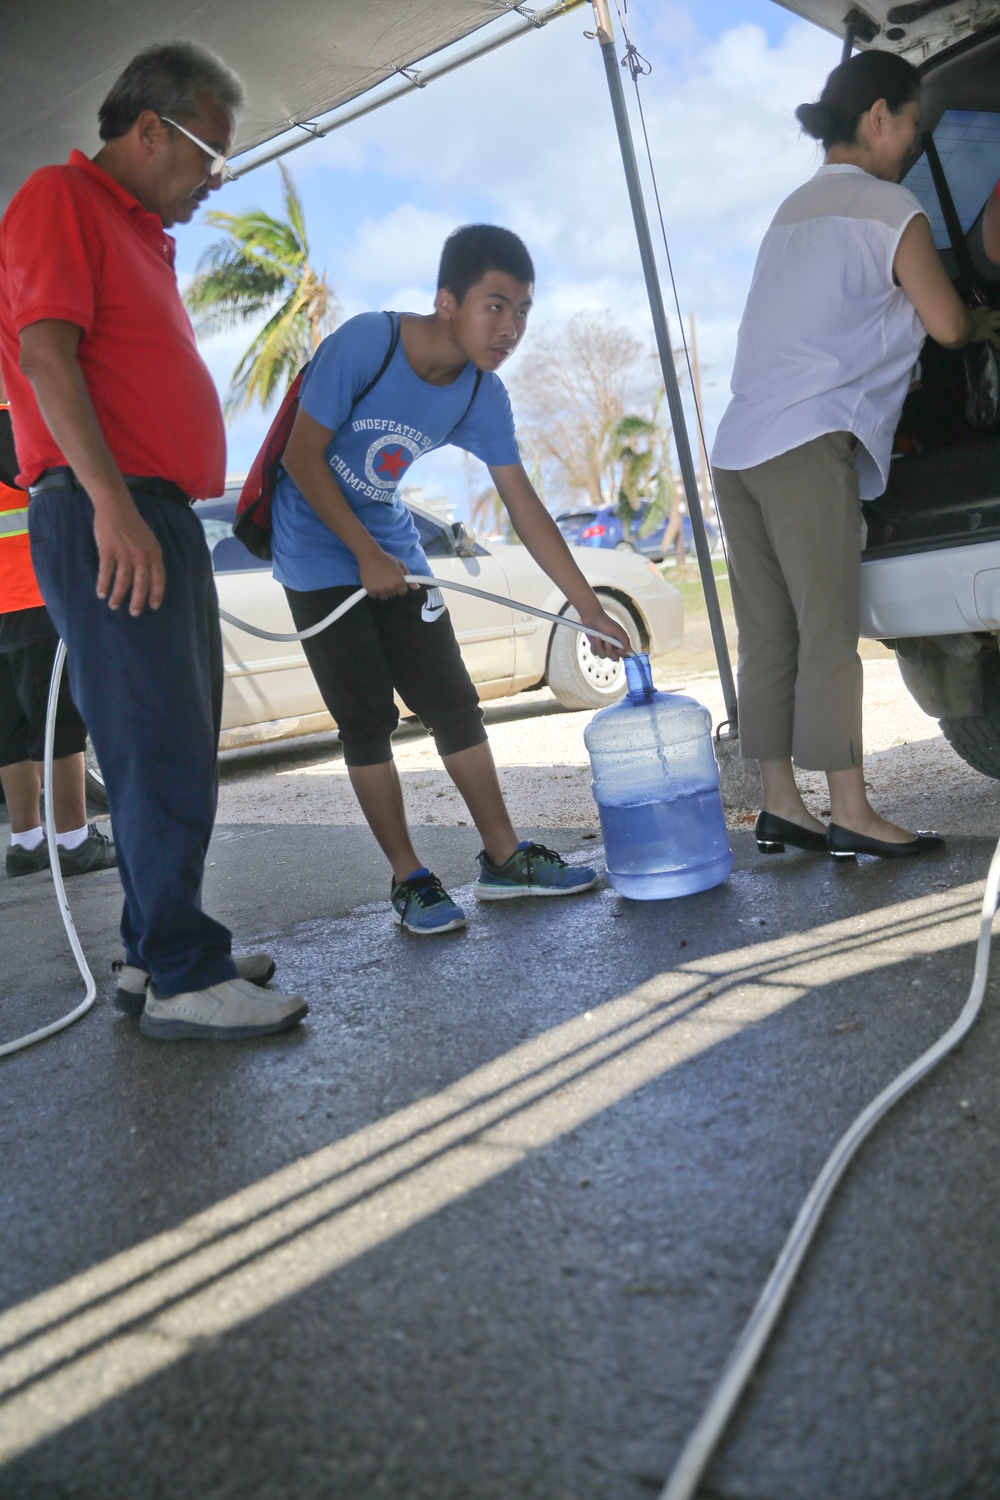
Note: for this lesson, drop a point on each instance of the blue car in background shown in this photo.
(604, 528)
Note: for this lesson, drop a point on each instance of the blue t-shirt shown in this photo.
(373, 446)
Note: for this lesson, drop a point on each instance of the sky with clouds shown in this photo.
(524, 137)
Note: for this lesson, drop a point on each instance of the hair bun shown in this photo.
(816, 119)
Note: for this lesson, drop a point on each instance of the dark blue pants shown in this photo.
(150, 691)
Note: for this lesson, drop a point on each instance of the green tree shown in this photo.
(260, 268)
(640, 451)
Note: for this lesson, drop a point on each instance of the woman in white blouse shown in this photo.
(846, 287)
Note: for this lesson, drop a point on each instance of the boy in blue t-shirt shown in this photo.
(378, 393)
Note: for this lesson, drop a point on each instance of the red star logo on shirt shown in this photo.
(393, 461)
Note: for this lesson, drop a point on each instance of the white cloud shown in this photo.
(386, 252)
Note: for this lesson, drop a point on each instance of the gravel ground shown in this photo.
(914, 775)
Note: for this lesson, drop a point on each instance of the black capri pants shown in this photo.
(25, 672)
(405, 645)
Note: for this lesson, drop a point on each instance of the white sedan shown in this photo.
(270, 693)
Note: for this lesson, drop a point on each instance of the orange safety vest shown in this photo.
(18, 587)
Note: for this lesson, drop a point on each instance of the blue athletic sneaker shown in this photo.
(532, 870)
(422, 905)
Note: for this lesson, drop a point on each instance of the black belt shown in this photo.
(161, 489)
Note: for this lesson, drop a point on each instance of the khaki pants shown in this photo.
(793, 530)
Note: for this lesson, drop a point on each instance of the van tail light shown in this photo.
(589, 531)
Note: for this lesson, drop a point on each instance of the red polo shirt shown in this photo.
(74, 245)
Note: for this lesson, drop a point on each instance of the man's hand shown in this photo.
(130, 559)
(599, 620)
(985, 326)
(383, 576)
(129, 554)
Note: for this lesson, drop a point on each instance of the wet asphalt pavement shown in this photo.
(487, 1225)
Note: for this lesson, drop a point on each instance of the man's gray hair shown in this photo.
(167, 78)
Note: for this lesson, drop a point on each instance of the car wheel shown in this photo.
(624, 547)
(96, 790)
(577, 677)
(976, 737)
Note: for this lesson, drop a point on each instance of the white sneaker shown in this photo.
(228, 1012)
(130, 996)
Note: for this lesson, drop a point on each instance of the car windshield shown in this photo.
(434, 540)
(968, 143)
(228, 553)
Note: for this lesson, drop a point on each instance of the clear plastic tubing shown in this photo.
(656, 785)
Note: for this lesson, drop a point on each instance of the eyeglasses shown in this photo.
(217, 164)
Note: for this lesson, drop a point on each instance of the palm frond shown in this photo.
(630, 427)
(293, 208)
(257, 234)
(660, 506)
(231, 296)
(259, 269)
(280, 350)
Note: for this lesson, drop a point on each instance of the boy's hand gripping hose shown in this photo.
(698, 1450)
(269, 635)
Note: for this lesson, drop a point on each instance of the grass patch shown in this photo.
(687, 580)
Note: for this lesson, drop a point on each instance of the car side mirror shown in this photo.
(465, 545)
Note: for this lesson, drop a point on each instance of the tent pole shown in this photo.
(653, 291)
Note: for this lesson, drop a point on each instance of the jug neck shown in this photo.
(639, 676)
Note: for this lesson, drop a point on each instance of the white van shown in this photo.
(930, 576)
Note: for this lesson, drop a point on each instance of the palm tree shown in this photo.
(640, 449)
(261, 268)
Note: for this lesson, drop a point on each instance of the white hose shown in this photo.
(748, 1348)
(431, 583)
(67, 915)
(268, 635)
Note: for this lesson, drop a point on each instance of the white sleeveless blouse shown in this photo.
(828, 341)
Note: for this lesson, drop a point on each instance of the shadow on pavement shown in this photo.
(488, 1224)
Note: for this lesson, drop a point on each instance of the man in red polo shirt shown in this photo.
(117, 425)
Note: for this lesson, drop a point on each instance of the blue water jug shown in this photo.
(656, 785)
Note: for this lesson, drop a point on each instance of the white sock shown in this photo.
(74, 838)
(29, 839)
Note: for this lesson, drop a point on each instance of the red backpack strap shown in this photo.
(475, 392)
(253, 512)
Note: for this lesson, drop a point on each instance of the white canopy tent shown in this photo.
(299, 59)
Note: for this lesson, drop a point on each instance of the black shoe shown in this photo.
(97, 852)
(773, 833)
(21, 861)
(843, 844)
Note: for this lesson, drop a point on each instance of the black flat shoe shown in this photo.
(843, 844)
(773, 833)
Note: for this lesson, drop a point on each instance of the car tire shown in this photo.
(97, 795)
(623, 547)
(976, 737)
(577, 677)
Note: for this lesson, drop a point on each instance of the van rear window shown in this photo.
(968, 143)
